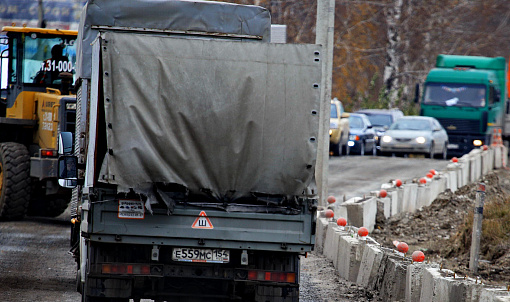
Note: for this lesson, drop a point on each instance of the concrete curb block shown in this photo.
(410, 197)
(381, 269)
(348, 260)
(369, 267)
(391, 278)
(331, 243)
(360, 212)
(414, 281)
(320, 234)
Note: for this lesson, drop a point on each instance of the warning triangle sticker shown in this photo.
(202, 222)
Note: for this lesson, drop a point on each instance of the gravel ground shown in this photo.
(320, 283)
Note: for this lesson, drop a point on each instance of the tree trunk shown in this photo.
(392, 70)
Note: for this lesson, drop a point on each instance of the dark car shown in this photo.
(381, 120)
(361, 135)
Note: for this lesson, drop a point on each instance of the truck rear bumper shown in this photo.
(114, 272)
(203, 289)
(42, 168)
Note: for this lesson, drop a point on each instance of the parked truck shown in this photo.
(195, 153)
(468, 96)
(36, 104)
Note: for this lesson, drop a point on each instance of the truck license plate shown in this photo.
(453, 146)
(201, 255)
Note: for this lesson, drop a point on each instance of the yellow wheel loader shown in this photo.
(37, 103)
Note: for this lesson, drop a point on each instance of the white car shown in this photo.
(416, 134)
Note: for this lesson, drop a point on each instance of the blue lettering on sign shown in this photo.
(54, 11)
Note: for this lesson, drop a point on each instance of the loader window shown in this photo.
(4, 63)
(14, 60)
(44, 58)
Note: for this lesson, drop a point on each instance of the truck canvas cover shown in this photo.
(171, 15)
(229, 117)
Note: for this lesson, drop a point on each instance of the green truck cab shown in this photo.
(467, 95)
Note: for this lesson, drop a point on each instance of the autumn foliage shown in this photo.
(383, 48)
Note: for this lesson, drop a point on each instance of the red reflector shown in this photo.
(106, 269)
(118, 269)
(291, 277)
(48, 153)
(280, 277)
(272, 276)
(122, 269)
(145, 270)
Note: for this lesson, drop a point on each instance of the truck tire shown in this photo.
(14, 181)
(48, 206)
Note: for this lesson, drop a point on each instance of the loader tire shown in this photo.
(14, 181)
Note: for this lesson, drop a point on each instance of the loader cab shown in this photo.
(35, 59)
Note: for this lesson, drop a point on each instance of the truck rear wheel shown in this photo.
(14, 180)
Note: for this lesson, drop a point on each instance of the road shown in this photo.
(35, 264)
(354, 176)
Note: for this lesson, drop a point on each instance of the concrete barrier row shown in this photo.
(409, 197)
(394, 276)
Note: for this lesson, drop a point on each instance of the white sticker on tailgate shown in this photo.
(131, 209)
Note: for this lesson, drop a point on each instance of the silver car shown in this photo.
(416, 134)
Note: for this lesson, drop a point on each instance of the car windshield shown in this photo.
(411, 124)
(355, 122)
(334, 113)
(459, 95)
(379, 119)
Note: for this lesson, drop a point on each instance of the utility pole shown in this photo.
(40, 14)
(324, 35)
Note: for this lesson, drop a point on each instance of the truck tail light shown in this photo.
(272, 276)
(48, 153)
(126, 269)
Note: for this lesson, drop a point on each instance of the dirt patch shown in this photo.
(443, 229)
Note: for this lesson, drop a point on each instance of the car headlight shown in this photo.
(477, 143)
(386, 138)
(330, 131)
(421, 140)
(353, 137)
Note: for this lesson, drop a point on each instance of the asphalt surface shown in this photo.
(355, 176)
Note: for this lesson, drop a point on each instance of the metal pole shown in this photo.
(324, 36)
(477, 228)
(40, 14)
